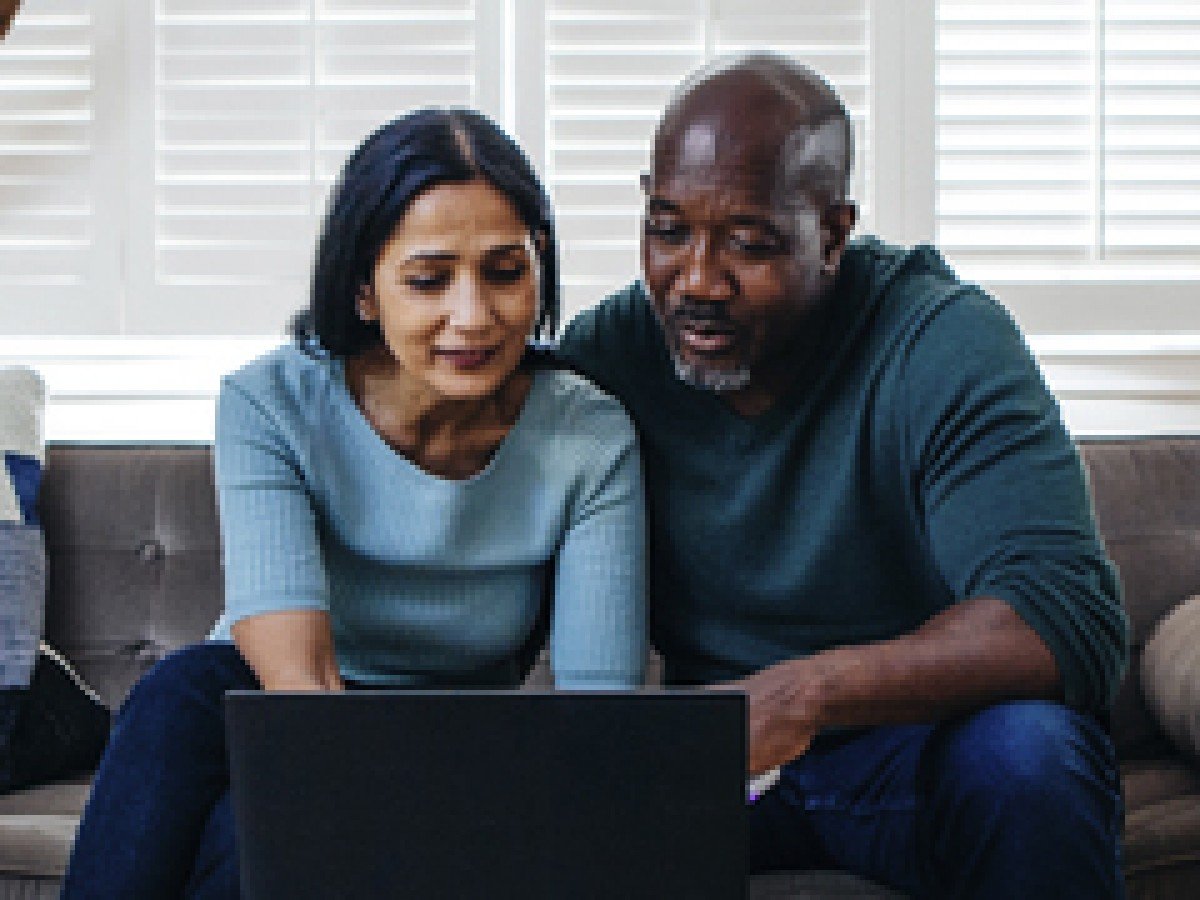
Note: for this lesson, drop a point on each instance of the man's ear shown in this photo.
(644, 181)
(837, 221)
(8, 10)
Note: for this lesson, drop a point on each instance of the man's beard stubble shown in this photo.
(707, 378)
(698, 374)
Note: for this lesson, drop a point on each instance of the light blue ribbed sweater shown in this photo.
(428, 580)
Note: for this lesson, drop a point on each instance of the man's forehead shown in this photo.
(727, 187)
(766, 166)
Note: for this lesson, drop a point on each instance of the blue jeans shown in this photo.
(158, 823)
(1016, 800)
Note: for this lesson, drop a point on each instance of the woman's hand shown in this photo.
(291, 650)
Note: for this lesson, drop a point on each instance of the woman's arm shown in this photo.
(598, 623)
(290, 650)
(276, 595)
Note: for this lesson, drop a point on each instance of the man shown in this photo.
(866, 513)
(8, 11)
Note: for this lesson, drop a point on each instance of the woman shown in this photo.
(394, 486)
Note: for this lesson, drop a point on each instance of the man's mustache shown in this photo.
(702, 313)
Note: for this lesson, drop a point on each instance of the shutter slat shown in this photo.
(257, 107)
(1023, 97)
(611, 67)
(48, 177)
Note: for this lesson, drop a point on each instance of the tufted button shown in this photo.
(150, 551)
(138, 649)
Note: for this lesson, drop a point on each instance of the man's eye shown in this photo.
(427, 283)
(672, 232)
(506, 274)
(754, 246)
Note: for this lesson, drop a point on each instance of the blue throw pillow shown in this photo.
(51, 725)
(22, 550)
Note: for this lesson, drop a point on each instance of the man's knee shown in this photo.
(1026, 756)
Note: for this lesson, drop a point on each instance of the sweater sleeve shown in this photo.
(271, 554)
(1001, 492)
(598, 623)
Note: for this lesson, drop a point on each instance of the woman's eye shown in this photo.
(507, 274)
(426, 282)
(672, 232)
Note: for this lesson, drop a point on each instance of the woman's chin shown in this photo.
(469, 385)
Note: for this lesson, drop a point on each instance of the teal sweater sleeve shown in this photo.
(271, 553)
(1001, 493)
(598, 621)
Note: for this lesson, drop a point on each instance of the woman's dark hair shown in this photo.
(383, 176)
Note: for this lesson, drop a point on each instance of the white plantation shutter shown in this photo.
(255, 106)
(1068, 138)
(1151, 133)
(610, 67)
(164, 165)
(58, 250)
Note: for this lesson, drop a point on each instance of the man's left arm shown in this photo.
(1005, 515)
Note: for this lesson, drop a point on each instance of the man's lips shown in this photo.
(706, 337)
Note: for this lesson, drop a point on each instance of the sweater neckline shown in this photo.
(352, 411)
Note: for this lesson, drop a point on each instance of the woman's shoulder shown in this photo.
(574, 407)
(285, 379)
(282, 369)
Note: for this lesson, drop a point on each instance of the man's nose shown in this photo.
(703, 274)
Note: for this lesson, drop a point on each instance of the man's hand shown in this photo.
(783, 713)
(972, 654)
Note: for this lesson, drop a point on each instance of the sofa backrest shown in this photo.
(134, 556)
(1147, 497)
(135, 570)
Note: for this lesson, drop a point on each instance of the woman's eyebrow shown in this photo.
(430, 256)
(506, 248)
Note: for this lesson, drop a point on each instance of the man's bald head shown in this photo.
(765, 115)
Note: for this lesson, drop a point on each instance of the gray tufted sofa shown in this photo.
(135, 572)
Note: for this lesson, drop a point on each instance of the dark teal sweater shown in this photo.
(919, 460)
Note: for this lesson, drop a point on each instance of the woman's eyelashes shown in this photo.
(500, 274)
(427, 282)
(505, 273)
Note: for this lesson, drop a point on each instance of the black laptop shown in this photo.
(489, 794)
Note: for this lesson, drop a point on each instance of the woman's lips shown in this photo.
(466, 359)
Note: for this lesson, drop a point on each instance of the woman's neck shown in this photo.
(448, 436)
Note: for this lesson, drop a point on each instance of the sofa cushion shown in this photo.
(1162, 817)
(814, 885)
(37, 827)
(1171, 675)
